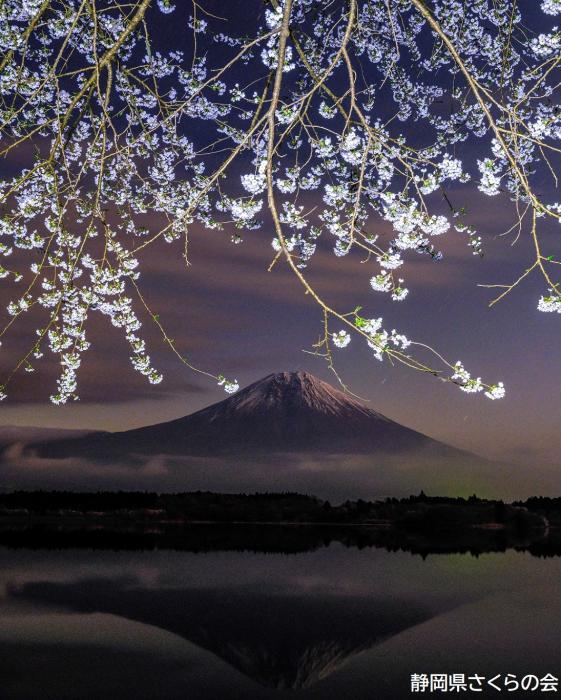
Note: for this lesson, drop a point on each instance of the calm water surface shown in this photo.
(337, 622)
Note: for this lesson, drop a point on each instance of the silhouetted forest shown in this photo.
(419, 513)
(546, 506)
(202, 521)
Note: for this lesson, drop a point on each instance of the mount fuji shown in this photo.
(289, 431)
(284, 412)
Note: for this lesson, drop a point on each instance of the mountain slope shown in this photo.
(284, 412)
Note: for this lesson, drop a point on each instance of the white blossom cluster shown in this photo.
(110, 128)
(230, 386)
(551, 7)
(550, 303)
(341, 339)
(472, 386)
(378, 339)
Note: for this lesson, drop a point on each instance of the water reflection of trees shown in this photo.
(287, 539)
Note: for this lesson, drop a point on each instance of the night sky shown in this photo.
(228, 314)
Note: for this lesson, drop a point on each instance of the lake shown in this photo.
(332, 621)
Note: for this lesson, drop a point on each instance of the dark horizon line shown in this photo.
(268, 494)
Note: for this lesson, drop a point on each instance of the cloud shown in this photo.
(21, 468)
(332, 476)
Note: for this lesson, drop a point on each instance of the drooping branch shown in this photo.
(337, 120)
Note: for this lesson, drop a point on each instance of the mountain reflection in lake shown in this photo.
(333, 622)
